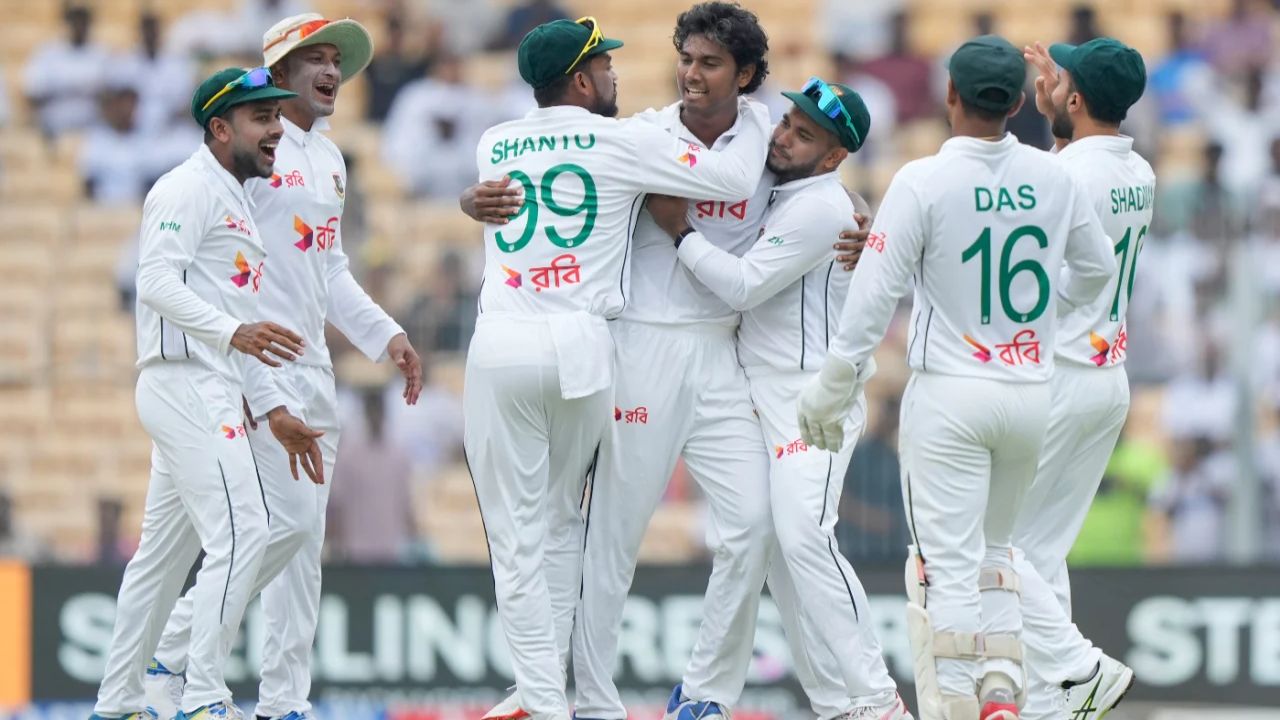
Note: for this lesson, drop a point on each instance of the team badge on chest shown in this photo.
(338, 188)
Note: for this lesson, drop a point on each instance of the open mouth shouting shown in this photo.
(268, 150)
(327, 91)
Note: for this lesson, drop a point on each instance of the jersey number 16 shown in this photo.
(981, 249)
(588, 207)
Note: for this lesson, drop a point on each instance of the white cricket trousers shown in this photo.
(968, 451)
(1088, 410)
(681, 392)
(289, 578)
(805, 485)
(530, 451)
(204, 492)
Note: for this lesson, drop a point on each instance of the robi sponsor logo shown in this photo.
(231, 432)
(237, 224)
(246, 272)
(717, 210)
(792, 448)
(690, 157)
(323, 236)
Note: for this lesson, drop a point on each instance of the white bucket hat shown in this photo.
(291, 33)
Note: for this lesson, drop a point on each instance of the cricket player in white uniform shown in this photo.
(1100, 80)
(790, 292)
(299, 212)
(983, 227)
(704, 414)
(539, 377)
(199, 275)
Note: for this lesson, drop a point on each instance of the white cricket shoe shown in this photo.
(508, 709)
(163, 690)
(896, 710)
(1097, 695)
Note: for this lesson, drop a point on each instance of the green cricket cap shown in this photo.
(851, 138)
(550, 50)
(1109, 74)
(988, 72)
(237, 95)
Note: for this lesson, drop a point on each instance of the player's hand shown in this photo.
(1046, 81)
(248, 414)
(406, 358)
(300, 442)
(852, 241)
(670, 213)
(492, 201)
(258, 339)
(826, 401)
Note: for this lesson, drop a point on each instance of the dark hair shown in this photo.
(984, 114)
(225, 114)
(733, 27)
(552, 93)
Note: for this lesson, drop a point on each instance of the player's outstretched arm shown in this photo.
(669, 166)
(492, 201)
(796, 243)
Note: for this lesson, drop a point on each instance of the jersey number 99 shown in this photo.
(981, 249)
(534, 200)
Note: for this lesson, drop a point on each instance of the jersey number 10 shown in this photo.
(1122, 249)
(981, 249)
(588, 207)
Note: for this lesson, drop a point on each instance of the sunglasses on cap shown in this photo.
(258, 77)
(829, 104)
(595, 39)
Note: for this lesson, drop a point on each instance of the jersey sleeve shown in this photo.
(352, 311)
(1090, 254)
(667, 165)
(797, 241)
(883, 274)
(174, 220)
(261, 390)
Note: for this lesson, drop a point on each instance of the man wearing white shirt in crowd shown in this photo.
(787, 287)
(119, 159)
(432, 128)
(162, 77)
(63, 77)
(299, 209)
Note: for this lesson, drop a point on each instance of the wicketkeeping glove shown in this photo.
(827, 400)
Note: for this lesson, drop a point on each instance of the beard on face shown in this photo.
(1062, 127)
(606, 107)
(248, 161)
(787, 173)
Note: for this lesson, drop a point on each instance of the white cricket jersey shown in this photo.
(983, 227)
(299, 211)
(200, 263)
(1121, 186)
(663, 291)
(787, 284)
(584, 177)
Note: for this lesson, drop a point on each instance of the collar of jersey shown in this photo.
(803, 183)
(1121, 144)
(973, 145)
(300, 136)
(557, 111)
(225, 178)
(671, 114)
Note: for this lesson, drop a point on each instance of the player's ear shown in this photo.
(746, 75)
(1022, 97)
(220, 128)
(834, 157)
